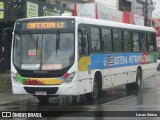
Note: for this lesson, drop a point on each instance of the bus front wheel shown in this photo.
(138, 80)
(94, 94)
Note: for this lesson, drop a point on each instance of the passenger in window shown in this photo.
(136, 47)
(150, 48)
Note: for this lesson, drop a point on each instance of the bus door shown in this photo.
(6, 48)
(84, 55)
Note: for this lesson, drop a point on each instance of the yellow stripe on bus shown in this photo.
(84, 62)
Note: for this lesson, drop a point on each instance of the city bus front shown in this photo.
(43, 57)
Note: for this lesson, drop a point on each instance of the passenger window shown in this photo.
(136, 42)
(127, 41)
(106, 37)
(151, 42)
(95, 40)
(117, 39)
(143, 40)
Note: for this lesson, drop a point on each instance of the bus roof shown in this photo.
(93, 21)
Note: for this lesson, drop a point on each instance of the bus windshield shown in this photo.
(43, 51)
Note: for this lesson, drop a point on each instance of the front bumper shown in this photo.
(73, 88)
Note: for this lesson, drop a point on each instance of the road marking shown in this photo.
(118, 100)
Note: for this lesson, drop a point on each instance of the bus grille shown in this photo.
(49, 90)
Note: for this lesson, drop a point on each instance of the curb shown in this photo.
(5, 79)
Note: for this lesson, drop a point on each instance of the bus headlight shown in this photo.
(15, 79)
(70, 77)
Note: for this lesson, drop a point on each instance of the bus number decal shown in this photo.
(51, 66)
(30, 66)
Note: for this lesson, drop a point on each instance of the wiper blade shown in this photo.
(57, 41)
(36, 45)
(35, 42)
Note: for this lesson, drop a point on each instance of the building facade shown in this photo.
(134, 10)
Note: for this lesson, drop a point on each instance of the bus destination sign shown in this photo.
(46, 25)
(49, 24)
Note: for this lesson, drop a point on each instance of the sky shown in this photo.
(156, 12)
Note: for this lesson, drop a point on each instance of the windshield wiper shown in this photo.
(57, 41)
(35, 42)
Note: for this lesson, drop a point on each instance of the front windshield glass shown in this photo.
(43, 51)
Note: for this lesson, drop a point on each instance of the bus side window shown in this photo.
(107, 38)
(127, 41)
(153, 36)
(143, 39)
(95, 40)
(136, 42)
(151, 42)
(117, 39)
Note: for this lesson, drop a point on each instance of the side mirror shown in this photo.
(83, 38)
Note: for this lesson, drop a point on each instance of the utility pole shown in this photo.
(145, 8)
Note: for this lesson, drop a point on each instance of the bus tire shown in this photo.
(43, 99)
(95, 93)
(138, 80)
(136, 85)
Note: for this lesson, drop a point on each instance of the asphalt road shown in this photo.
(114, 104)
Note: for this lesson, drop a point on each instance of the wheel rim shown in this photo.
(95, 89)
(139, 81)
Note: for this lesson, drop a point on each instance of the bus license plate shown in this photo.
(41, 93)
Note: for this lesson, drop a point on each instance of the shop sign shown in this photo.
(1, 10)
(32, 10)
(138, 19)
(109, 3)
(107, 13)
(86, 10)
(51, 12)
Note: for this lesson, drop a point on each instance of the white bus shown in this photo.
(66, 55)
